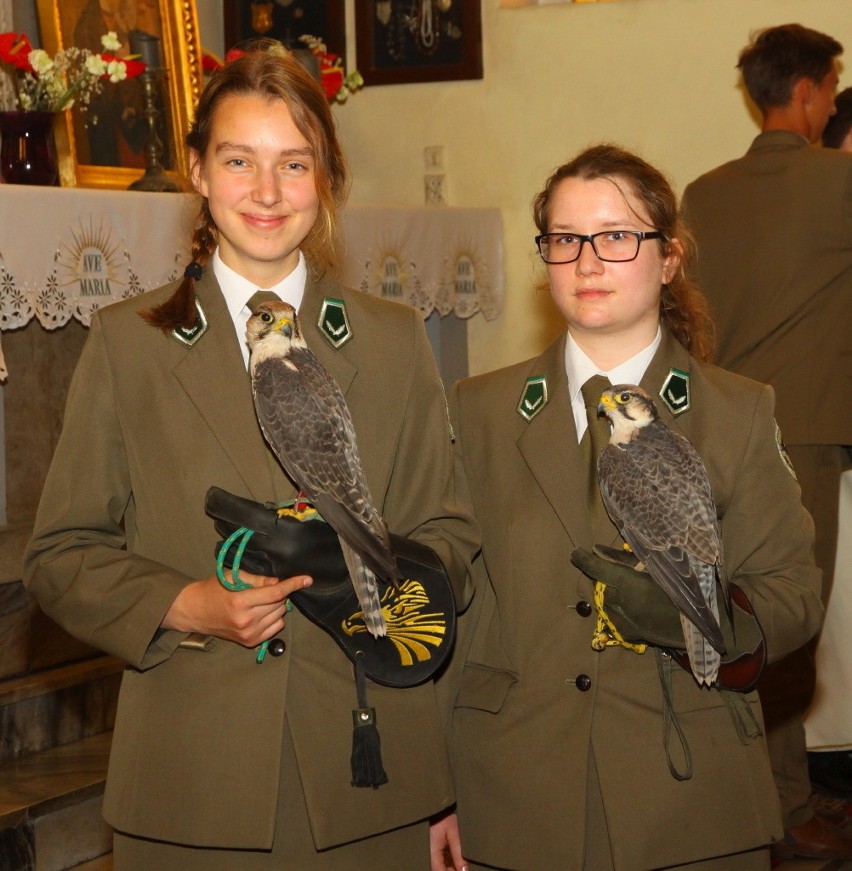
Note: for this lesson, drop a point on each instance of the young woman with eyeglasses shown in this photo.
(572, 757)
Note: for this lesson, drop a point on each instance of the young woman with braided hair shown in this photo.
(219, 762)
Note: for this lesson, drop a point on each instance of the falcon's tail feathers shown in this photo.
(684, 580)
(703, 659)
(367, 590)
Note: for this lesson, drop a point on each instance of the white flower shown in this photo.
(40, 61)
(110, 41)
(117, 70)
(95, 65)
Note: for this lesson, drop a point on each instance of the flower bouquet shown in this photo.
(73, 75)
(43, 87)
(336, 82)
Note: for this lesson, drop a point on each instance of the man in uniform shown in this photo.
(774, 233)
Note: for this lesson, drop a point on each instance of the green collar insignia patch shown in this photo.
(193, 334)
(534, 397)
(675, 392)
(333, 322)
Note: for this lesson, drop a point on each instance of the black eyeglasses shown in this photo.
(613, 246)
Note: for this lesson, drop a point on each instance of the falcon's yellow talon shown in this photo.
(300, 514)
(605, 634)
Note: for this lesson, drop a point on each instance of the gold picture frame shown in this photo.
(177, 22)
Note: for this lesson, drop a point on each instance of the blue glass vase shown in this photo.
(27, 150)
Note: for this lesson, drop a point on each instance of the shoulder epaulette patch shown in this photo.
(333, 322)
(534, 397)
(193, 334)
(675, 392)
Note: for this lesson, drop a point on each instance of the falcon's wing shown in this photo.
(656, 490)
(306, 421)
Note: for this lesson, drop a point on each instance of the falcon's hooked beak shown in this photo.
(285, 327)
(606, 405)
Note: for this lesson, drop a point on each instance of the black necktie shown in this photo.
(594, 440)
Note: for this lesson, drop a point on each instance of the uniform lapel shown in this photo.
(338, 362)
(549, 447)
(670, 355)
(214, 377)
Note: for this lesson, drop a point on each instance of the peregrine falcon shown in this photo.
(305, 420)
(655, 488)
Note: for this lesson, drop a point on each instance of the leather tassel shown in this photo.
(366, 759)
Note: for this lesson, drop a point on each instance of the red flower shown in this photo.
(233, 54)
(331, 74)
(15, 50)
(210, 63)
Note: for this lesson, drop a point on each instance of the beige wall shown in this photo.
(657, 76)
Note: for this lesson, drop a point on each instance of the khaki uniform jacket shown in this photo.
(150, 425)
(535, 698)
(774, 232)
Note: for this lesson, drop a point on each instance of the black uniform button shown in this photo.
(277, 646)
(584, 608)
(583, 682)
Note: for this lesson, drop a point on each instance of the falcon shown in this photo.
(304, 418)
(655, 488)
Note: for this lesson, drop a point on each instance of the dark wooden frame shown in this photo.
(334, 36)
(378, 72)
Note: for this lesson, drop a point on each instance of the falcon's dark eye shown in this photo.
(265, 317)
(624, 398)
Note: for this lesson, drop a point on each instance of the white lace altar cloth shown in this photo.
(433, 258)
(66, 252)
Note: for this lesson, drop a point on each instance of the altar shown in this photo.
(66, 252)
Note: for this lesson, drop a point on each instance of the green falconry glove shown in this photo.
(641, 612)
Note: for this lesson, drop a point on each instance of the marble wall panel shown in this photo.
(17, 848)
(14, 630)
(40, 364)
(58, 717)
(71, 836)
